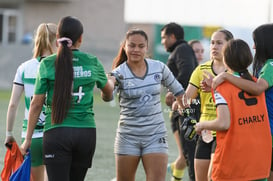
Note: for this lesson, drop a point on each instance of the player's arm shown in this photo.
(254, 88)
(107, 90)
(16, 94)
(191, 91)
(221, 123)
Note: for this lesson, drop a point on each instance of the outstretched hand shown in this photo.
(112, 79)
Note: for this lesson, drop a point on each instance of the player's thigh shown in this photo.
(201, 167)
(155, 165)
(126, 166)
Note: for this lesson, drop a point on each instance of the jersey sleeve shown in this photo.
(219, 99)
(18, 79)
(266, 73)
(195, 77)
(101, 76)
(169, 81)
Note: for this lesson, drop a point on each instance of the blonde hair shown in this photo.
(44, 38)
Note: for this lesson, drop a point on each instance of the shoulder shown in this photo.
(84, 54)
(49, 58)
(183, 44)
(227, 88)
(197, 74)
(206, 66)
(48, 62)
(183, 48)
(30, 61)
(268, 65)
(121, 68)
(155, 64)
(29, 64)
(266, 72)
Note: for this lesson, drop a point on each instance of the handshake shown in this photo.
(117, 76)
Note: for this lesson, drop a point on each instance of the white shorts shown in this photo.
(126, 144)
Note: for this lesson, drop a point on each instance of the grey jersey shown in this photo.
(139, 97)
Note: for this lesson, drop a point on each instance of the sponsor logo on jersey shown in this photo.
(79, 72)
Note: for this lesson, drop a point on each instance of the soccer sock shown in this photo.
(177, 173)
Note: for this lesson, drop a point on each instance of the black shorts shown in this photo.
(69, 146)
(204, 150)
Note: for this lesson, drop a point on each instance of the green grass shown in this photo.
(106, 117)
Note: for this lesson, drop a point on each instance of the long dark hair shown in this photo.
(263, 40)
(122, 57)
(238, 57)
(69, 30)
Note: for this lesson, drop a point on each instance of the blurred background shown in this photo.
(106, 21)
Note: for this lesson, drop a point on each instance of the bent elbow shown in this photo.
(223, 125)
(13, 106)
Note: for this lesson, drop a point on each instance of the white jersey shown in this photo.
(26, 76)
(140, 100)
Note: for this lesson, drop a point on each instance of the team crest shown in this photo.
(157, 77)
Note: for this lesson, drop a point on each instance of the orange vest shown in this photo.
(243, 152)
(13, 160)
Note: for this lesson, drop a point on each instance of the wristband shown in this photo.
(9, 133)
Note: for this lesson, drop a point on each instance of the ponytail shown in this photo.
(63, 81)
(246, 75)
(70, 30)
(121, 57)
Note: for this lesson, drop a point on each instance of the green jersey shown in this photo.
(88, 72)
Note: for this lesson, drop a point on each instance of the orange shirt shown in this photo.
(243, 152)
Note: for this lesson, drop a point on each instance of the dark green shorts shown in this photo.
(36, 151)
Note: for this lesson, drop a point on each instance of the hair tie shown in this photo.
(65, 39)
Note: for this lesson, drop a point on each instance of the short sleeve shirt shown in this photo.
(88, 72)
(25, 76)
